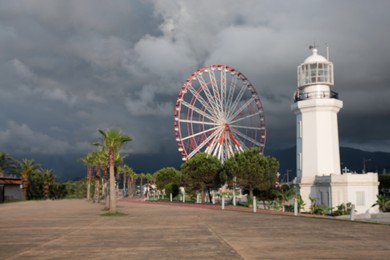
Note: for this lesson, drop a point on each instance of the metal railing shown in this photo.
(315, 95)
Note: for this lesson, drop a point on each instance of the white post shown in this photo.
(198, 198)
(254, 204)
(213, 198)
(352, 216)
(223, 202)
(170, 197)
(184, 196)
(295, 207)
(234, 191)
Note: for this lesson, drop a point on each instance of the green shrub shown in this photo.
(343, 209)
(249, 202)
(172, 188)
(76, 189)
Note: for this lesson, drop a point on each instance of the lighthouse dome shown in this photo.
(315, 57)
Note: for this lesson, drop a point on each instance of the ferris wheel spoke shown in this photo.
(212, 101)
(213, 146)
(197, 122)
(238, 111)
(201, 100)
(223, 89)
(245, 117)
(250, 139)
(247, 127)
(214, 85)
(232, 88)
(237, 100)
(199, 133)
(202, 144)
(194, 108)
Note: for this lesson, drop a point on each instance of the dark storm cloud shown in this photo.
(68, 68)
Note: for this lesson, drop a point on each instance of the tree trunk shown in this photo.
(97, 184)
(112, 182)
(89, 176)
(24, 187)
(46, 191)
(129, 187)
(250, 191)
(97, 189)
(141, 188)
(209, 192)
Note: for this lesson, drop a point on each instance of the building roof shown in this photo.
(10, 181)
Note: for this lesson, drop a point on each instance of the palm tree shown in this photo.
(48, 179)
(132, 182)
(121, 170)
(284, 194)
(99, 159)
(382, 202)
(113, 140)
(88, 160)
(27, 167)
(141, 177)
(7, 165)
(130, 179)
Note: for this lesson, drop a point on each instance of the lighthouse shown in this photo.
(316, 106)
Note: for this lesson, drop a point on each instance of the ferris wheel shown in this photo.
(218, 112)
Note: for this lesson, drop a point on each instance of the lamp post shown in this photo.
(364, 164)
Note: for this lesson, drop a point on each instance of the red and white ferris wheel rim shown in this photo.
(218, 112)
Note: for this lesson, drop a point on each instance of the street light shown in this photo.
(364, 164)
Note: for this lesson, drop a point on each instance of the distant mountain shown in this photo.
(69, 167)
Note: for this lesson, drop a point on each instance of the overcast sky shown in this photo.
(68, 68)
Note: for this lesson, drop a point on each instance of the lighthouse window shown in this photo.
(299, 161)
(299, 129)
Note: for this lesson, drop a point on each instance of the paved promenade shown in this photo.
(74, 229)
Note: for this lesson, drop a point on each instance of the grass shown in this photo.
(115, 214)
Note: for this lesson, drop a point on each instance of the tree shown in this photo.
(284, 194)
(201, 172)
(27, 167)
(167, 175)
(8, 165)
(132, 182)
(121, 170)
(382, 202)
(48, 179)
(252, 170)
(129, 172)
(99, 159)
(88, 160)
(113, 140)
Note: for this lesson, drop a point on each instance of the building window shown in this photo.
(300, 161)
(360, 198)
(299, 129)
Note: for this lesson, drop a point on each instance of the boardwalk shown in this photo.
(74, 229)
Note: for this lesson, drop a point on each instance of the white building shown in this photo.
(318, 157)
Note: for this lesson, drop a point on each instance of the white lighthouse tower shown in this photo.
(318, 158)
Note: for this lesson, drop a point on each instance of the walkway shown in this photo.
(74, 229)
